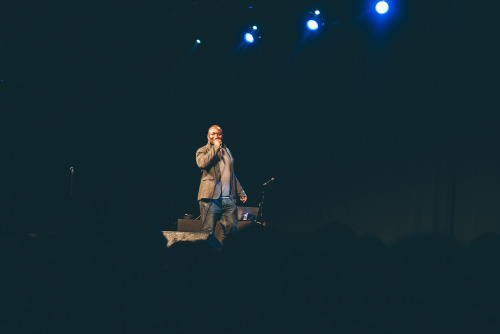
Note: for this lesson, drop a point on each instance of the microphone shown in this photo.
(271, 180)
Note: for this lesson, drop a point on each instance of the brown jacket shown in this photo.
(208, 161)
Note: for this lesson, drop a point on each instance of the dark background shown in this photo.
(385, 123)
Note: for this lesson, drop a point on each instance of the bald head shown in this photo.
(215, 134)
(216, 127)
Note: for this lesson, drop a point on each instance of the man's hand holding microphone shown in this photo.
(218, 142)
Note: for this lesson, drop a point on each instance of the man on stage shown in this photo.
(219, 185)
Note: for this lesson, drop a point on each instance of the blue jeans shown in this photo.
(223, 209)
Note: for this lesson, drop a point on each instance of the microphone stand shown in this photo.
(72, 171)
(69, 210)
(260, 213)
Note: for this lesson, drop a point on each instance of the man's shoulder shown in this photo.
(204, 148)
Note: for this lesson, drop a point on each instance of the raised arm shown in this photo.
(204, 157)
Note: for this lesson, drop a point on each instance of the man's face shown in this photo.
(214, 134)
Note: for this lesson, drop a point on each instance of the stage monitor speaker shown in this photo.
(193, 225)
(242, 224)
(188, 225)
(173, 237)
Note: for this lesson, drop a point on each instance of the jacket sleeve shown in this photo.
(239, 190)
(204, 157)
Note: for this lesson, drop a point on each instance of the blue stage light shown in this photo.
(316, 12)
(382, 7)
(312, 25)
(198, 41)
(249, 38)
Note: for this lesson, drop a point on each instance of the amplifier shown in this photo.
(194, 225)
